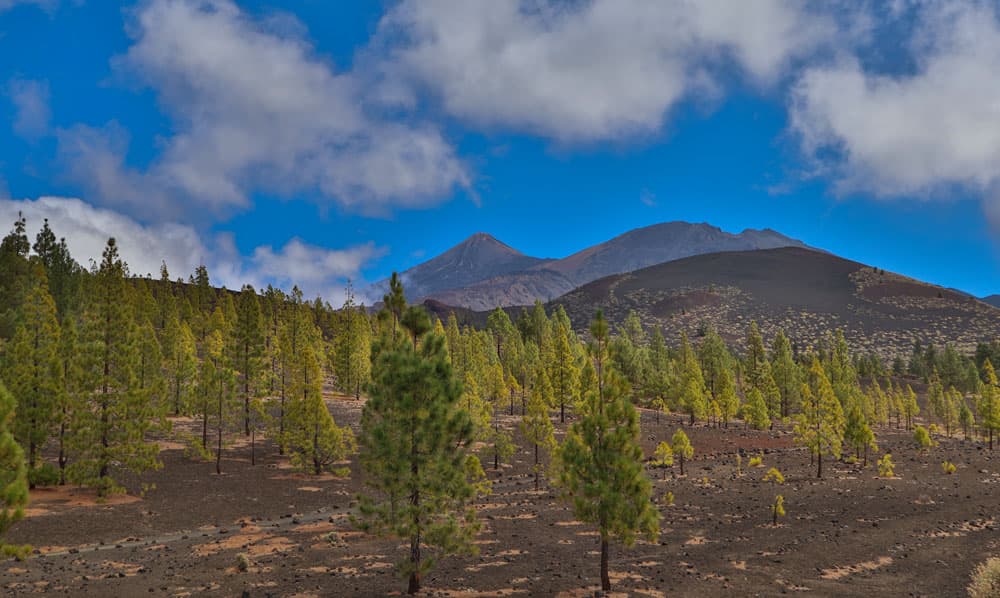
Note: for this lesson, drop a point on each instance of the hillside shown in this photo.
(805, 292)
(993, 300)
(483, 273)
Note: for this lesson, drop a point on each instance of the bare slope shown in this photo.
(805, 292)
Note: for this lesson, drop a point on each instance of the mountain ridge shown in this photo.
(481, 272)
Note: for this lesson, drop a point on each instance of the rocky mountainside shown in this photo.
(805, 292)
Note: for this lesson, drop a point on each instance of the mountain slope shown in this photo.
(660, 243)
(633, 250)
(805, 292)
(993, 300)
(479, 257)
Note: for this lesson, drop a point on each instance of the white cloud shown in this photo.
(921, 133)
(31, 101)
(255, 108)
(588, 71)
(316, 270)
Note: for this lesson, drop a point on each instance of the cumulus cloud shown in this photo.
(256, 109)
(316, 270)
(588, 71)
(921, 133)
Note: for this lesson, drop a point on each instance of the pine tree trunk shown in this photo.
(819, 470)
(253, 452)
(605, 578)
(562, 413)
(218, 449)
(682, 463)
(536, 468)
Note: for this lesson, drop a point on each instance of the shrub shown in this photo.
(948, 467)
(777, 509)
(243, 562)
(773, 475)
(668, 498)
(922, 437)
(46, 475)
(664, 455)
(757, 461)
(885, 466)
(986, 580)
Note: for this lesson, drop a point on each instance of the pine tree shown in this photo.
(692, 384)
(415, 456)
(70, 400)
(314, 440)
(821, 422)
(353, 348)
(13, 471)
(682, 447)
(728, 400)
(35, 374)
(564, 373)
(785, 373)
(989, 402)
(109, 431)
(62, 271)
(536, 425)
(248, 350)
(858, 434)
(181, 358)
(755, 411)
(909, 407)
(601, 460)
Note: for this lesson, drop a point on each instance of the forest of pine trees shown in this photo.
(97, 364)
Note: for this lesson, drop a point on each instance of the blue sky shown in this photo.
(309, 141)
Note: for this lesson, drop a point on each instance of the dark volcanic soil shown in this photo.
(851, 533)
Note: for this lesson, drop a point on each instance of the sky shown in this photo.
(310, 142)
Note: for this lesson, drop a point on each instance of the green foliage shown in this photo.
(922, 438)
(773, 475)
(819, 426)
(755, 411)
(35, 374)
(110, 429)
(886, 468)
(756, 461)
(353, 348)
(414, 439)
(948, 467)
(601, 460)
(13, 474)
(536, 425)
(682, 447)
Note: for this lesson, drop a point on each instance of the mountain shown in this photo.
(660, 243)
(993, 300)
(805, 292)
(479, 257)
(482, 273)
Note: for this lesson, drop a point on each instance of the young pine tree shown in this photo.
(415, 454)
(248, 350)
(35, 374)
(314, 440)
(989, 402)
(536, 425)
(755, 411)
(682, 447)
(821, 422)
(601, 460)
(13, 472)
